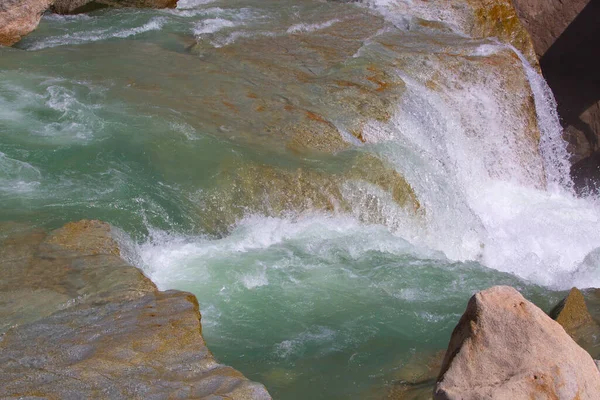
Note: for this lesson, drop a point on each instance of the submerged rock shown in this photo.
(506, 347)
(278, 190)
(19, 17)
(84, 324)
(416, 380)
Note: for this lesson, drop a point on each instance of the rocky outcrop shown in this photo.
(79, 322)
(19, 17)
(546, 20)
(505, 347)
(81, 6)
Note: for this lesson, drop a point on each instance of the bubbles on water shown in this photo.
(87, 36)
(57, 110)
(212, 25)
(187, 4)
(315, 335)
(17, 176)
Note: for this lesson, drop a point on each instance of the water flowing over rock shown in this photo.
(18, 18)
(78, 322)
(506, 347)
(566, 36)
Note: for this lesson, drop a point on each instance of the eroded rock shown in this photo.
(19, 17)
(84, 324)
(506, 347)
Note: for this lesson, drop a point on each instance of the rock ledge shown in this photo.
(81, 323)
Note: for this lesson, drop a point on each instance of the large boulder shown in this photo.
(78, 322)
(19, 17)
(504, 347)
(81, 6)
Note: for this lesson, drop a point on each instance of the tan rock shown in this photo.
(78, 322)
(19, 17)
(504, 347)
(498, 18)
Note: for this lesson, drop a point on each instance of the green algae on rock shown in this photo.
(98, 328)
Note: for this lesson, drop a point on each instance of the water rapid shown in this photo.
(332, 180)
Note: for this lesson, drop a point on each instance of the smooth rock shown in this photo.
(19, 17)
(504, 347)
(81, 323)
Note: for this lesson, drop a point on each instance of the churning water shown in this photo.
(322, 262)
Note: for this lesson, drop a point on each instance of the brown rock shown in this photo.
(81, 6)
(504, 347)
(416, 380)
(498, 18)
(19, 17)
(546, 20)
(566, 36)
(81, 323)
(573, 315)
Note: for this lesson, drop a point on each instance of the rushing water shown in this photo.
(332, 180)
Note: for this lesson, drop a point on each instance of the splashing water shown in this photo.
(312, 276)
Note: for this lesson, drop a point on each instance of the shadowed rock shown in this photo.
(506, 347)
(81, 6)
(84, 324)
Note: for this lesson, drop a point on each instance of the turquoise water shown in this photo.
(332, 180)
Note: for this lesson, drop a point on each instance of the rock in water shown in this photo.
(573, 315)
(504, 347)
(81, 6)
(19, 17)
(87, 325)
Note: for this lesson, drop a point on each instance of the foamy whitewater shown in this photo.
(150, 119)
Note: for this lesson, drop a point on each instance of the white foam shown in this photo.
(154, 24)
(552, 146)
(169, 258)
(402, 12)
(212, 25)
(488, 197)
(306, 28)
(188, 4)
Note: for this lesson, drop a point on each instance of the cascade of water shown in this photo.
(552, 145)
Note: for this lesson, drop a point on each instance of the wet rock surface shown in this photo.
(573, 315)
(79, 322)
(506, 347)
(80, 6)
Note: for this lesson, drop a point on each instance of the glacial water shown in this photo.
(332, 180)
